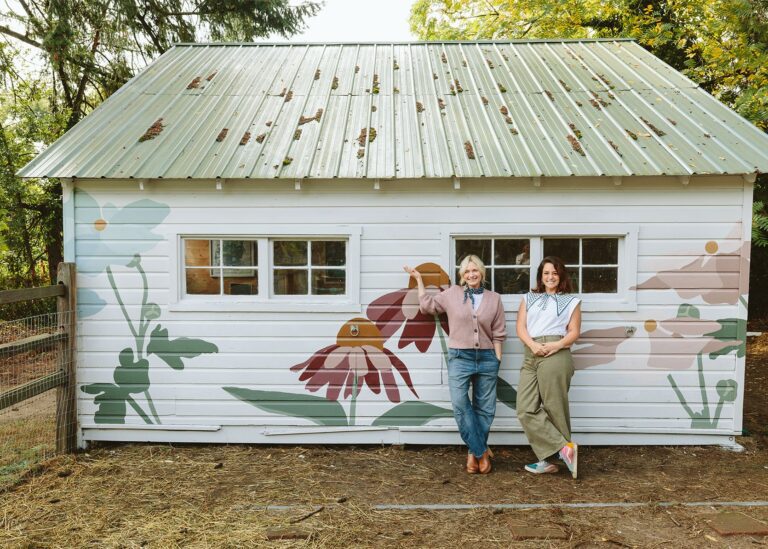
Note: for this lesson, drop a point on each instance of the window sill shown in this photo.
(225, 306)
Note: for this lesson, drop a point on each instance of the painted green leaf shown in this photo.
(110, 400)
(730, 329)
(319, 410)
(412, 413)
(172, 351)
(132, 375)
(728, 389)
(506, 393)
(688, 310)
(151, 311)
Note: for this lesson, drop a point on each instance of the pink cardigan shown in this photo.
(469, 329)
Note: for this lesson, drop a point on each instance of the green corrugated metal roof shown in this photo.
(407, 110)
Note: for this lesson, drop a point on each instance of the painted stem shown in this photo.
(680, 397)
(703, 387)
(152, 407)
(354, 401)
(139, 410)
(143, 326)
(442, 340)
(120, 302)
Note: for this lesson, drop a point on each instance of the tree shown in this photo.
(85, 50)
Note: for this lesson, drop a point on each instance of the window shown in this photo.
(593, 262)
(309, 267)
(507, 262)
(281, 269)
(221, 267)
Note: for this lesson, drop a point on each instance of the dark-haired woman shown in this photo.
(548, 323)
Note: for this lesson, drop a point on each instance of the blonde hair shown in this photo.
(471, 258)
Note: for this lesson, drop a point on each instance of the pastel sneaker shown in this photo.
(542, 467)
(570, 455)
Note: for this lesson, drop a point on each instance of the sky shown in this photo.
(358, 21)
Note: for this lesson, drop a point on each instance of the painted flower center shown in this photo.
(711, 247)
(359, 332)
(650, 326)
(100, 224)
(432, 275)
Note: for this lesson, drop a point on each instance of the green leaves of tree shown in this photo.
(172, 351)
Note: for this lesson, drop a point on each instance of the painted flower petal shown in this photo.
(372, 377)
(411, 303)
(390, 386)
(357, 362)
(336, 356)
(419, 330)
(387, 312)
(402, 369)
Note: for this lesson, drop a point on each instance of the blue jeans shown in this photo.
(479, 368)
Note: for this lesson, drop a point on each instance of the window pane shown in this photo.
(509, 251)
(566, 249)
(241, 285)
(289, 253)
(600, 280)
(329, 253)
(291, 282)
(239, 253)
(203, 281)
(511, 281)
(600, 251)
(328, 281)
(199, 253)
(480, 248)
(573, 274)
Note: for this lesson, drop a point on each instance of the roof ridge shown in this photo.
(412, 42)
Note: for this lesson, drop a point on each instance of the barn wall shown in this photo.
(669, 363)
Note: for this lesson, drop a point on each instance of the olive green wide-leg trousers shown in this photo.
(542, 399)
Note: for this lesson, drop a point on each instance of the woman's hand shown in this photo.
(413, 272)
(548, 349)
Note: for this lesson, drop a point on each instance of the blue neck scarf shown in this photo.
(471, 293)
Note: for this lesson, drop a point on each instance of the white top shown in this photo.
(478, 300)
(549, 314)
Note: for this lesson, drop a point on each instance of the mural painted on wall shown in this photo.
(678, 342)
(117, 236)
(359, 358)
(131, 376)
(113, 235)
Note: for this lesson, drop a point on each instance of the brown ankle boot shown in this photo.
(484, 463)
(472, 466)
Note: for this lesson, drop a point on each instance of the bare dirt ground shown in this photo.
(235, 496)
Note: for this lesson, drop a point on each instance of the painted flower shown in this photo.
(601, 349)
(713, 279)
(112, 235)
(676, 342)
(358, 358)
(394, 309)
(109, 235)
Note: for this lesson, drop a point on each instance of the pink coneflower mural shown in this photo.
(597, 347)
(358, 358)
(401, 307)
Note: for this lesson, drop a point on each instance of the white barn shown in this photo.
(240, 213)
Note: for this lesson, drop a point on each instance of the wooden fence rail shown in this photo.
(64, 340)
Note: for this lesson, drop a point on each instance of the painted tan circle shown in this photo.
(650, 326)
(711, 247)
(100, 224)
(359, 332)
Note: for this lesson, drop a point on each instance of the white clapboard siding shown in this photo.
(625, 387)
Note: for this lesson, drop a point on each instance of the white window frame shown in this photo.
(265, 300)
(625, 299)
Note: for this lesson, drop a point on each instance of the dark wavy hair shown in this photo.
(564, 287)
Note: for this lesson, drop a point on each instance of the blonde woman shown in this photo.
(477, 330)
(548, 323)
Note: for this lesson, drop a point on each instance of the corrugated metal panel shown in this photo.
(466, 109)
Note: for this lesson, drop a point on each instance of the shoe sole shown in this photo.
(542, 472)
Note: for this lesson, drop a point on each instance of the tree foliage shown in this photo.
(83, 51)
(722, 45)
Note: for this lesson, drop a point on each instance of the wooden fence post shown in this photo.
(66, 395)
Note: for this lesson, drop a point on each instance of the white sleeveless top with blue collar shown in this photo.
(549, 314)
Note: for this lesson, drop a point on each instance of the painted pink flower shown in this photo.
(602, 347)
(676, 342)
(716, 277)
(394, 309)
(358, 358)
